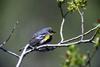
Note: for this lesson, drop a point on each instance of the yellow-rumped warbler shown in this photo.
(42, 37)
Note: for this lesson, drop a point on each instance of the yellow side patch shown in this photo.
(46, 37)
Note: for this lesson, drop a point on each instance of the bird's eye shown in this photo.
(51, 31)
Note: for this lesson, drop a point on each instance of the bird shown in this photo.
(41, 37)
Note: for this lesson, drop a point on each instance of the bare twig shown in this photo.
(65, 41)
(2, 44)
(63, 20)
(82, 22)
(12, 32)
(60, 7)
(9, 35)
(9, 52)
(60, 45)
(22, 55)
(61, 30)
(94, 34)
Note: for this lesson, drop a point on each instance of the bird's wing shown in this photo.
(35, 41)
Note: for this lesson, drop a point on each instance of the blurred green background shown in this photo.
(34, 15)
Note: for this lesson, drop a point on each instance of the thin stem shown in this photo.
(95, 34)
(22, 56)
(9, 52)
(2, 44)
(81, 34)
(60, 7)
(9, 35)
(66, 14)
(63, 20)
(30, 50)
(59, 45)
(61, 30)
(12, 32)
(82, 23)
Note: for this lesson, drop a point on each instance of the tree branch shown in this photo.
(82, 22)
(61, 30)
(65, 41)
(10, 35)
(22, 55)
(9, 52)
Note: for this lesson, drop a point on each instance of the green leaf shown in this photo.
(74, 5)
(74, 58)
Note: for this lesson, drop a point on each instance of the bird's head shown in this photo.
(48, 30)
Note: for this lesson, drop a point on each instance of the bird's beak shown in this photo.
(53, 32)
